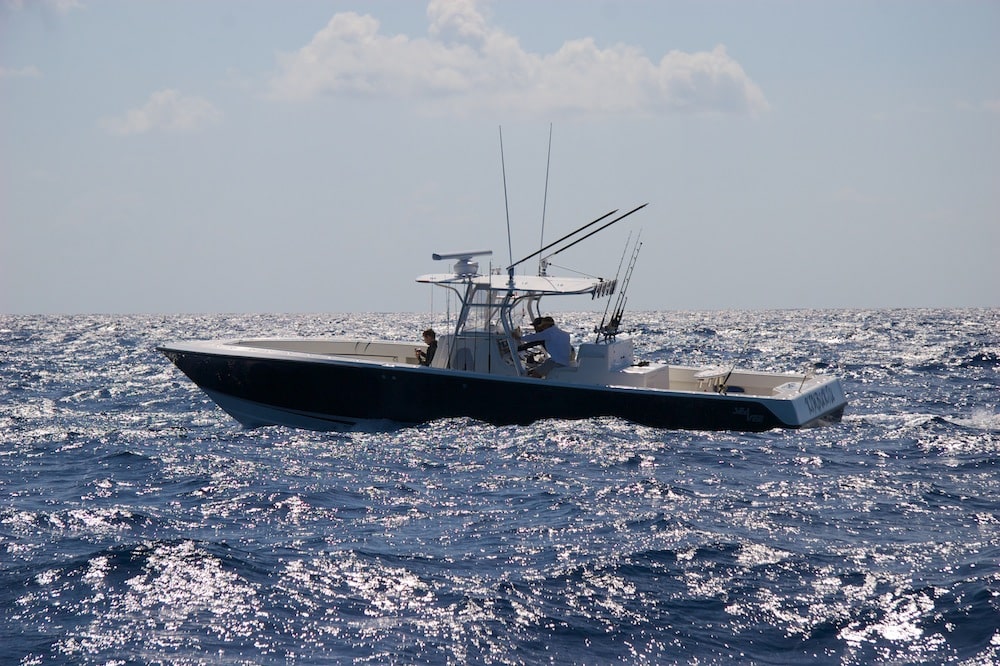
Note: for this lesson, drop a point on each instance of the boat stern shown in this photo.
(817, 401)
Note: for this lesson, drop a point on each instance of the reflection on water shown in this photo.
(141, 525)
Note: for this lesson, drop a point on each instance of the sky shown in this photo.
(178, 156)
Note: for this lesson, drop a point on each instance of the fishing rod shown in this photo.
(611, 330)
(724, 385)
(618, 272)
(622, 295)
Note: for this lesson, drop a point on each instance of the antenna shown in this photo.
(545, 198)
(510, 248)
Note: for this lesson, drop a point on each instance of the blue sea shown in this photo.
(139, 524)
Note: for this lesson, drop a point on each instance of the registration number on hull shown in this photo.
(820, 399)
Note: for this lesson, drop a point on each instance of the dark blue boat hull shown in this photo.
(333, 394)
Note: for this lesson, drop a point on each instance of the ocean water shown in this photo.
(141, 525)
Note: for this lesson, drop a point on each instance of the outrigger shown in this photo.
(479, 372)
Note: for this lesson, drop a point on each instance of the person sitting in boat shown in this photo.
(430, 339)
(556, 343)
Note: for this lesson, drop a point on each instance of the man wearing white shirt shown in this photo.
(555, 341)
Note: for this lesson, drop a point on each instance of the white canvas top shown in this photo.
(540, 284)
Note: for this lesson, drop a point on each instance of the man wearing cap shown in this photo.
(555, 341)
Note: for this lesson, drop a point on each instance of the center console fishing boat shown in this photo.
(480, 370)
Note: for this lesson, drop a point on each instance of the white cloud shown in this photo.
(20, 73)
(64, 6)
(165, 110)
(58, 6)
(465, 64)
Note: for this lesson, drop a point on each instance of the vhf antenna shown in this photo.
(510, 248)
(542, 264)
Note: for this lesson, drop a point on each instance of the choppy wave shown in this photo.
(139, 524)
